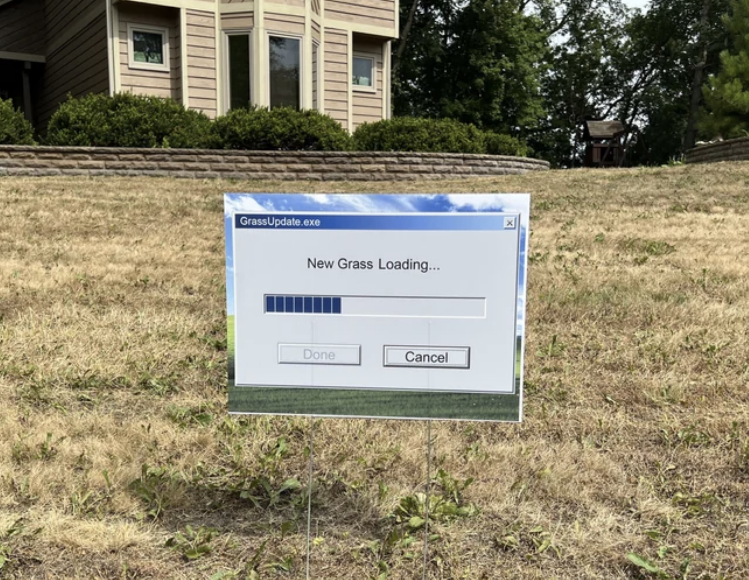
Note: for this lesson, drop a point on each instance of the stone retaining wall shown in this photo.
(283, 165)
(731, 150)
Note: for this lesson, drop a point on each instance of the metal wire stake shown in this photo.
(309, 490)
(429, 485)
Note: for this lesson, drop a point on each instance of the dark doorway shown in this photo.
(19, 81)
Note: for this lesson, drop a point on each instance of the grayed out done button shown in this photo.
(449, 357)
(319, 354)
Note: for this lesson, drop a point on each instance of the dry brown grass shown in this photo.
(636, 434)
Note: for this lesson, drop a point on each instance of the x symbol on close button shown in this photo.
(510, 223)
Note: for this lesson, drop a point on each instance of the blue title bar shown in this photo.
(448, 221)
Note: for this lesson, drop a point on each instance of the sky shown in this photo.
(636, 3)
(361, 203)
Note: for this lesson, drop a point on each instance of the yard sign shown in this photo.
(397, 306)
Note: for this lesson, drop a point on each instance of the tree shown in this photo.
(491, 72)
(583, 37)
(477, 62)
(677, 42)
(727, 93)
(417, 54)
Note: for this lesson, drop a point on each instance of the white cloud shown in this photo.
(364, 203)
(488, 201)
(241, 203)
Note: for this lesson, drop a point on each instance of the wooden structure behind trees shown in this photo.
(604, 146)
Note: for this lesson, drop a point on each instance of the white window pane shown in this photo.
(363, 72)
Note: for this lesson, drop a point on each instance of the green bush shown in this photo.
(127, 120)
(14, 128)
(496, 144)
(285, 129)
(422, 135)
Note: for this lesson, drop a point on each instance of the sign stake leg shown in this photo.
(428, 489)
(309, 489)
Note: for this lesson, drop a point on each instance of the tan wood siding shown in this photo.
(371, 12)
(77, 67)
(315, 68)
(201, 61)
(336, 75)
(238, 21)
(22, 27)
(367, 106)
(175, 58)
(315, 31)
(235, 1)
(61, 15)
(156, 83)
(295, 3)
(284, 23)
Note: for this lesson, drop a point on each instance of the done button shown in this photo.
(319, 354)
(449, 357)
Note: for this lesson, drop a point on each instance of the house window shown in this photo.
(285, 72)
(363, 73)
(149, 47)
(239, 70)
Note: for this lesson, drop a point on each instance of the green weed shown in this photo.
(44, 451)
(199, 416)
(156, 486)
(193, 543)
(534, 541)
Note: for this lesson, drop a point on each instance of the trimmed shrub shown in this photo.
(127, 120)
(14, 128)
(283, 129)
(497, 144)
(421, 135)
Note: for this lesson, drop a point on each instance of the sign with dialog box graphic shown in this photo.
(404, 306)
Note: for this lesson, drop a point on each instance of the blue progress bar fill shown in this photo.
(304, 304)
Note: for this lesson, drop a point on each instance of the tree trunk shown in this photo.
(404, 34)
(699, 73)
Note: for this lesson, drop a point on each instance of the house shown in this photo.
(211, 55)
(604, 147)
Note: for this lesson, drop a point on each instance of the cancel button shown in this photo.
(449, 357)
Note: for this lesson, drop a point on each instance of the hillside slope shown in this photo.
(120, 462)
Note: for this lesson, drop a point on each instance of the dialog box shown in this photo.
(394, 301)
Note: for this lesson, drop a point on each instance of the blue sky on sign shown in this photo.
(260, 202)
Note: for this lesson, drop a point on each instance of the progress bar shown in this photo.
(381, 306)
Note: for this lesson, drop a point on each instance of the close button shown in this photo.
(448, 357)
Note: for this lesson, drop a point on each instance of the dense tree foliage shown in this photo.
(727, 93)
(679, 42)
(539, 68)
(580, 79)
(479, 64)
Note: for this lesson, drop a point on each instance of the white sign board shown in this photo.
(410, 308)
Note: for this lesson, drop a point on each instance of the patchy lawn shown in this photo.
(119, 460)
